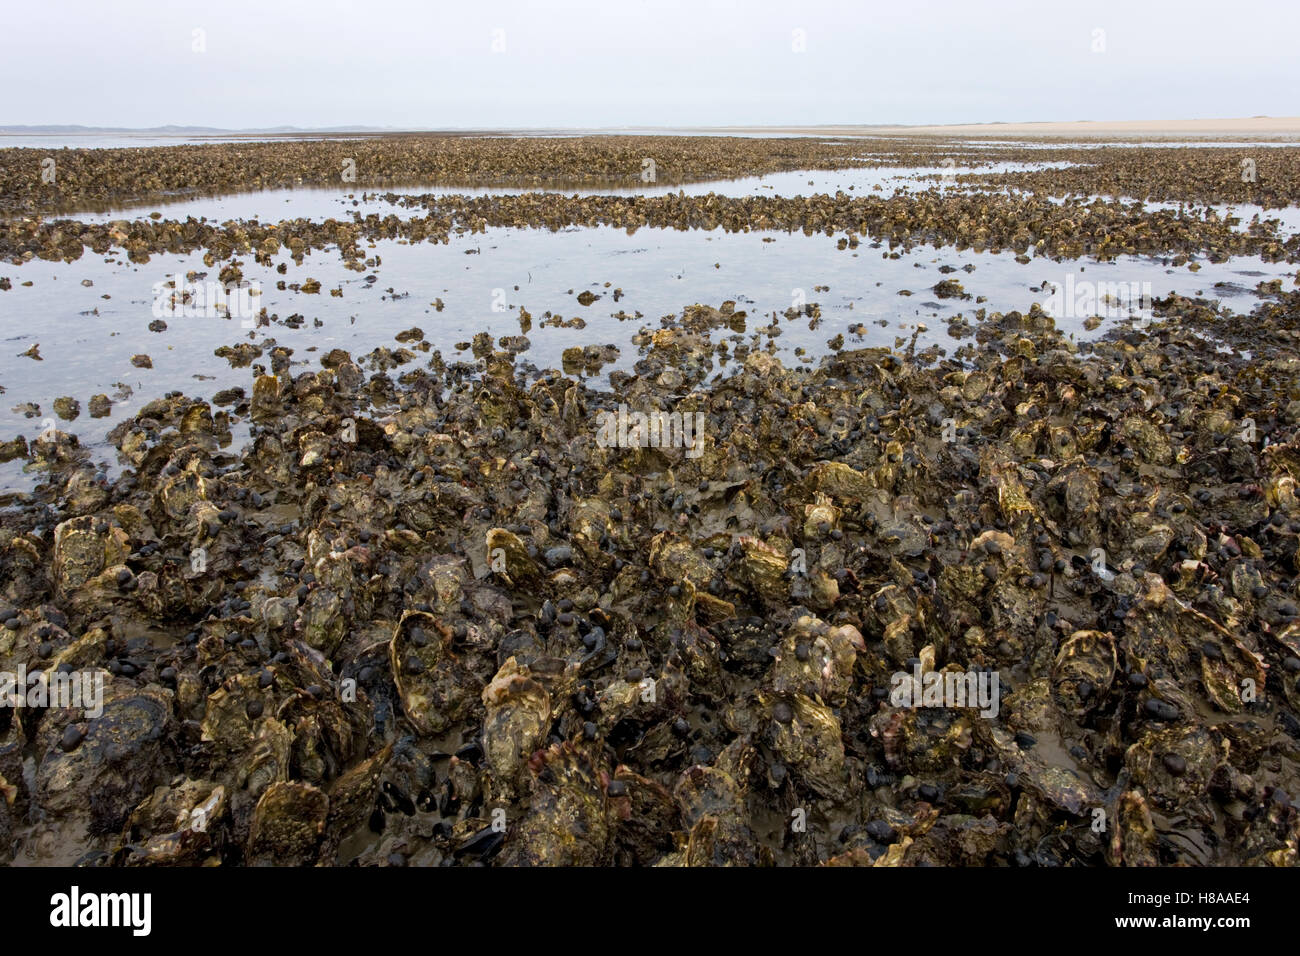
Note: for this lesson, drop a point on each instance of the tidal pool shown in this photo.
(87, 335)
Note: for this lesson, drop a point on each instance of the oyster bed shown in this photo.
(579, 300)
(89, 177)
(524, 689)
(366, 611)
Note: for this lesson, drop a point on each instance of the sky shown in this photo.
(241, 64)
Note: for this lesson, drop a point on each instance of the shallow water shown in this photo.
(87, 341)
(88, 334)
(317, 203)
(1288, 217)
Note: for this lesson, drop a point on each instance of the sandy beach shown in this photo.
(1284, 127)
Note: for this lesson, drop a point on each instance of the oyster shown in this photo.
(436, 690)
(517, 720)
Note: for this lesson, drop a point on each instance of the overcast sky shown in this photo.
(605, 63)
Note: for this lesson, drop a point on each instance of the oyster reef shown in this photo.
(536, 505)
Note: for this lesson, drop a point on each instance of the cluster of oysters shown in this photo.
(430, 619)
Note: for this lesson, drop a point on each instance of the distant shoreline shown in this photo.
(1280, 130)
(1280, 126)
